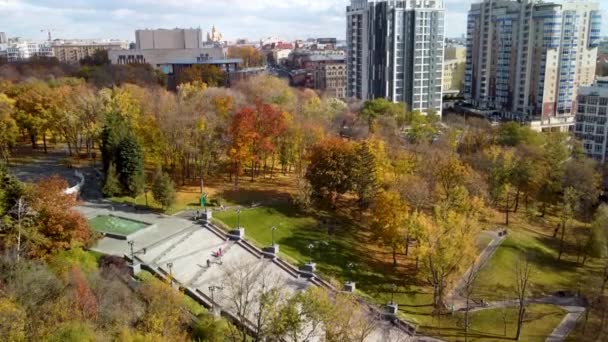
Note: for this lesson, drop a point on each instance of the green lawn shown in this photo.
(116, 225)
(497, 280)
(488, 325)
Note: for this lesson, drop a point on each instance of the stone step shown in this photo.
(173, 246)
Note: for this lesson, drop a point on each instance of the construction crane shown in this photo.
(48, 31)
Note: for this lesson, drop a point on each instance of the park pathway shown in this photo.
(572, 305)
(454, 298)
(567, 324)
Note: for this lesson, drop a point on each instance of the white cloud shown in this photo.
(235, 18)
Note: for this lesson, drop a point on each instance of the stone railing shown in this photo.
(76, 188)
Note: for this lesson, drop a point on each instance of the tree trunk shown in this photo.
(507, 211)
(520, 320)
(584, 259)
(252, 170)
(516, 200)
(561, 243)
(394, 257)
(33, 140)
(272, 166)
(543, 209)
(407, 243)
(44, 141)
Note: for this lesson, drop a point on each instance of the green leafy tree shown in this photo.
(365, 178)
(373, 109)
(130, 166)
(163, 189)
(422, 128)
(111, 186)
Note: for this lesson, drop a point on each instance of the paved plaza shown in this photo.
(199, 257)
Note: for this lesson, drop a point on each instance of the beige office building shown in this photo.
(72, 51)
(169, 39)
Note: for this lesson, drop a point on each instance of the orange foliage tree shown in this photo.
(61, 226)
(254, 132)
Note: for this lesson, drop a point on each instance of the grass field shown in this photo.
(496, 279)
(332, 252)
(116, 225)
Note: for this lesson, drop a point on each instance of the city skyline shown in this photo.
(288, 19)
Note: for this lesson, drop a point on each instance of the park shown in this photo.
(263, 203)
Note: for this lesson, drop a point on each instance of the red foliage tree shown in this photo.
(85, 303)
(61, 226)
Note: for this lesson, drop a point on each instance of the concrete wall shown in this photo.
(169, 39)
(158, 57)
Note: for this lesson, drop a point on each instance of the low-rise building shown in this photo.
(592, 119)
(330, 77)
(171, 51)
(453, 77)
(19, 50)
(72, 51)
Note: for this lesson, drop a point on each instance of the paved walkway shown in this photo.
(454, 298)
(567, 324)
(573, 305)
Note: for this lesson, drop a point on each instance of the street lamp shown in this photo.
(212, 289)
(393, 289)
(238, 217)
(170, 266)
(349, 267)
(273, 228)
(310, 247)
(131, 243)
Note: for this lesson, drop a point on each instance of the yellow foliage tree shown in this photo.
(388, 223)
(12, 321)
(446, 246)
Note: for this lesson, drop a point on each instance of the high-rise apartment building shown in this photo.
(3, 39)
(395, 51)
(527, 58)
(592, 119)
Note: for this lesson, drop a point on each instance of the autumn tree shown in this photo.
(60, 225)
(447, 243)
(330, 169)
(163, 316)
(251, 56)
(12, 321)
(36, 104)
(376, 108)
(522, 273)
(8, 127)
(568, 207)
(242, 138)
(210, 75)
(389, 218)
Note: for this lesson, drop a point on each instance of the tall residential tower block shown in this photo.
(527, 58)
(395, 51)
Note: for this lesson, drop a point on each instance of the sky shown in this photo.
(251, 19)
